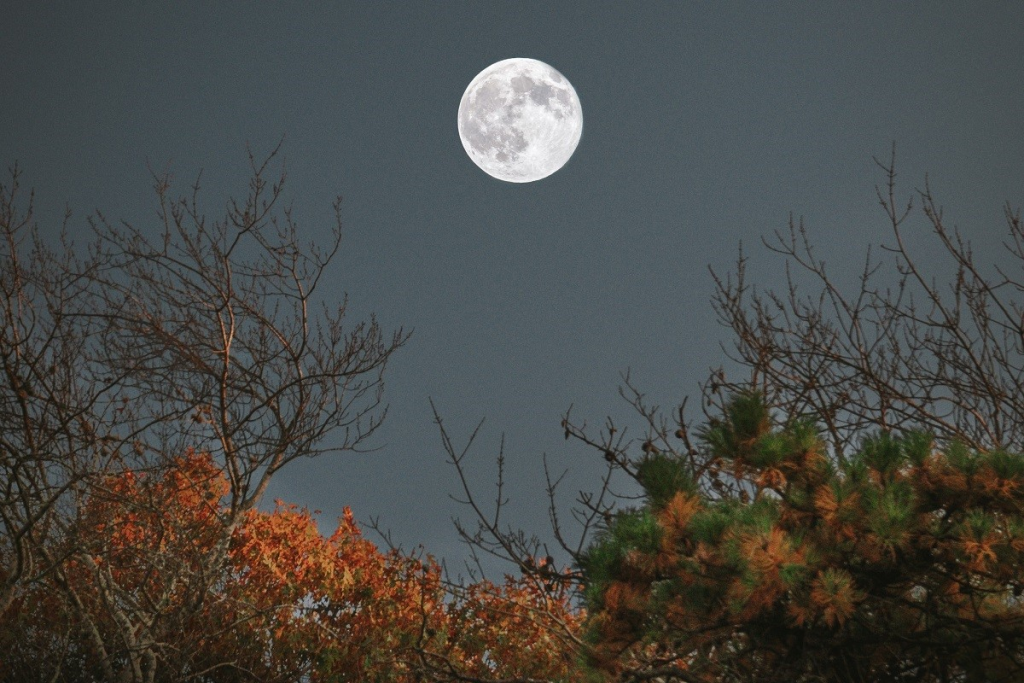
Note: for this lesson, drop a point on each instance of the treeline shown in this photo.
(848, 507)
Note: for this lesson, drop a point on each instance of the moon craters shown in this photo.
(520, 120)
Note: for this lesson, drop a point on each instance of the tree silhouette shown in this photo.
(916, 348)
(152, 387)
(117, 359)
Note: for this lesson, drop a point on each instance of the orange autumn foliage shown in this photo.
(288, 603)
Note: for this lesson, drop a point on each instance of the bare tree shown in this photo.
(489, 534)
(911, 349)
(48, 444)
(211, 335)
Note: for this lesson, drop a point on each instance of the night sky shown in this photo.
(705, 125)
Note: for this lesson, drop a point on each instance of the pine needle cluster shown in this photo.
(899, 562)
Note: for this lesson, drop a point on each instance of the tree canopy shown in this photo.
(849, 508)
(289, 603)
(900, 563)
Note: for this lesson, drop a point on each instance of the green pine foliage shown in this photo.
(662, 476)
(631, 532)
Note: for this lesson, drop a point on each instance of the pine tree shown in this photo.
(899, 563)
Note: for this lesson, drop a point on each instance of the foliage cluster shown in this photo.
(290, 603)
(899, 563)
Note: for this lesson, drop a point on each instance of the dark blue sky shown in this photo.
(705, 124)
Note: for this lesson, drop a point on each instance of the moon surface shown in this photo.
(520, 120)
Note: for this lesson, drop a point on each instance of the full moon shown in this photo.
(520, 120)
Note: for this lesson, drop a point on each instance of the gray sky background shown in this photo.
(705, 124)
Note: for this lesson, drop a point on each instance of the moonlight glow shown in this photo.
(520, 120)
